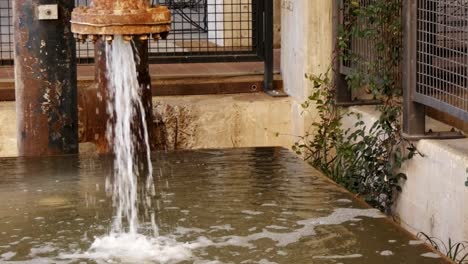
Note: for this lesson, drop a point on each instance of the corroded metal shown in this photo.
(136, 21)
(45, 76)
(93, 98)
(120, 17)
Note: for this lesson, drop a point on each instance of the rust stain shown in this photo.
(121, 17)
(93, 115)
(45, 83)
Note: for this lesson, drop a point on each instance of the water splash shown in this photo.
(126, 112)
(127, 242)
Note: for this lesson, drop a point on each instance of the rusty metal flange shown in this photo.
(118, 18)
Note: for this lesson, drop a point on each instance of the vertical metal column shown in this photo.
(45, 75)
(94, 116)
(268, 46)
(343, 93)
(144, 79)
(413, 114)
(268, 50)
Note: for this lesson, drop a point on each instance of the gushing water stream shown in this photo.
(125, 107)
(127, 241)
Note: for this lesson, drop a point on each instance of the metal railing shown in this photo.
(6, 32)
(436, 61)
(360, 54)
(202, 31)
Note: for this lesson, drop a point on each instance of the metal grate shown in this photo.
(202, 31)
(210, 28)
(362, 55)
(362, 50)
(6, 32)
(442, 56)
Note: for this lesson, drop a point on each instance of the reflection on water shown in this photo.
(259, 205)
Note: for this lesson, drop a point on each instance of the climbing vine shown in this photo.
(365, 159)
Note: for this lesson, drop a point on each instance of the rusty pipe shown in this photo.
(121, 17)
(45, 78)
(93, 115)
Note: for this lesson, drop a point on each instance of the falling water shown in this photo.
(125, 107)
(127, 242)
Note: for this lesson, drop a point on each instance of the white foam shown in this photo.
(281, 253)
(276, 227)
(339, 256)
(344, 201)
(8, 255)
(42, 250)
(339, 216)
(37, 261)
(180, 230)
(386, 253)
(226, 227)
(430, 255)
(266, 261)
(416, 242)
(137, 248)
(250, 212)
(269, 204)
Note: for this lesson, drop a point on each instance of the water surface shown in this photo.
(256, 205)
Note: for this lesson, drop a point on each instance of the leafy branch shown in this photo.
(366, 160)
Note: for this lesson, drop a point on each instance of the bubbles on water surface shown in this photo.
(138, 248)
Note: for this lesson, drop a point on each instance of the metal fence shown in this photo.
(202, 31)
(361, 54)
(6, 32)
(436, 66)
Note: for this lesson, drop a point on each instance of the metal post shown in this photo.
(268, 18)
(45, 75)
(144, 79)
(93, 110)
(268, 50)
(413, 114)
(343, 93)
(94, 116)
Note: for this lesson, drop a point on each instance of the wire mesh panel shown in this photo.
(442, 56)
(202, 30)
(212, 28)
(364, 35)
(84, 51)
(6, 32)
(360, 50)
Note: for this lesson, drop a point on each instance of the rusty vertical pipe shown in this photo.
(144, 80)
(93, 115)
(45, 76)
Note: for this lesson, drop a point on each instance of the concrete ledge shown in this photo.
(8, 146)
(224, 121)
(199, 121)
(434, 198)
